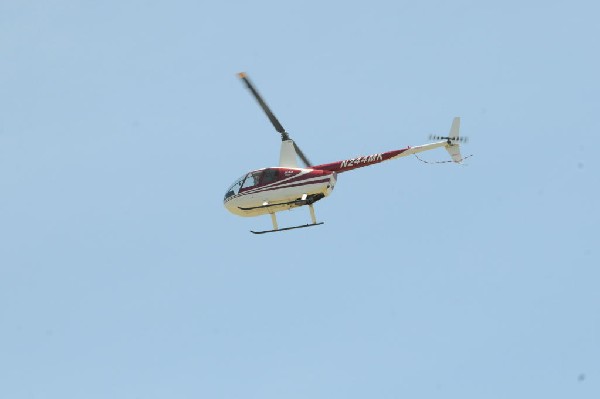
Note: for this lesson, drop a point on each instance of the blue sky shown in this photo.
(122, 275)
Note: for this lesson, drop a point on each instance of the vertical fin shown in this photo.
(453, 148)
(455, 128)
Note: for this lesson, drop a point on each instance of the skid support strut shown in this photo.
(312, 214)
(276, 227)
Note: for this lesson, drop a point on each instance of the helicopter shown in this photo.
(286, 186)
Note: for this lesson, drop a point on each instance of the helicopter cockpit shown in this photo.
(251, 180)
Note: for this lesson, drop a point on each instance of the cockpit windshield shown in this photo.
(235, 187)
(252, 179)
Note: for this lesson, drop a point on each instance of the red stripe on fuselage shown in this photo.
(358, 162)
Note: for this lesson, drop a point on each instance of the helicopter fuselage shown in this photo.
(275, 189)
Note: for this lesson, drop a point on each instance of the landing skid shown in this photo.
(286, 228)
(276, 227)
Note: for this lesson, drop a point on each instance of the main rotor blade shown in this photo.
(302, 156)
(272, 118)
(264, 106)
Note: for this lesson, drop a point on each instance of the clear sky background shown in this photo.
(122, 123)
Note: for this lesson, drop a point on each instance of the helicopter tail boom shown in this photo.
(450, 143)
(368, 160)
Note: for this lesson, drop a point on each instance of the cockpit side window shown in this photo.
(269, 176)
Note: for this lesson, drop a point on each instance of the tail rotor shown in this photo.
(450, 140)
(453, 141)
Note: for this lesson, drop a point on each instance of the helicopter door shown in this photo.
(259, 178)
(268, 176)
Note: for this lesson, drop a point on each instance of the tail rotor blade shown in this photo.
(461, 139)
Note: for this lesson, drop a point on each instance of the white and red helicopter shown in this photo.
(275, 189)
